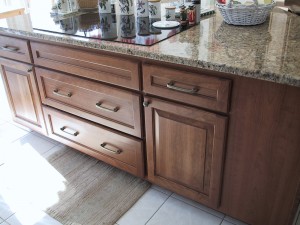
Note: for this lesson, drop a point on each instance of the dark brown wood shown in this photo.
(84, 97)
(262, 169)
(90, 137)
(185, 148)
(21, 88)
(14, 48)
(212, 92)
(113, 70)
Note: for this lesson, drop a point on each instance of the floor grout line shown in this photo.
(161, 191)
(157, 210)
(199, 208)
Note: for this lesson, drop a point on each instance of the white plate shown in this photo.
(166, 24)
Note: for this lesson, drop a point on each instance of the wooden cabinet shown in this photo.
(109, 106)
(97, 66)
(185, 149)
(20, 84)
(16, 49)
(117, 149)
(191, 88)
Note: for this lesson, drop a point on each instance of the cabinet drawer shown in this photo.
(111, 147)
(192, 88)
(15, 49)
(113, 70)
(108, 106)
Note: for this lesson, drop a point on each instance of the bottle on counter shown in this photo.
(183, 15)
(191, 14)
(197, 4)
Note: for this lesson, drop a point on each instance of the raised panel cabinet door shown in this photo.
(21, 89)
(185, 149)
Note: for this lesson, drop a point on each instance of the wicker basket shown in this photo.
(245, 15)
(87, 4)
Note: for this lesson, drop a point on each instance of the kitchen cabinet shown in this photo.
(226, 141)
(21, 88)
(185, 149)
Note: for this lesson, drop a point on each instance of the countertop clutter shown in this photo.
(269, 51)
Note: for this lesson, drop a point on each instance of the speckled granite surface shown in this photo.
(270, 51)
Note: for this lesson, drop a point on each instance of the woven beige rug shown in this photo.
(95, 192)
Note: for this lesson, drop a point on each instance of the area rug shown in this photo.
(95, 192)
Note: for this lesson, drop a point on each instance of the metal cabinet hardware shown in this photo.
(172, 86)
(68, 95)
(114, 151)
(99, 106)
(9, 48)
(69, 131)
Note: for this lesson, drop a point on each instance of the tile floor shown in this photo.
(156, 207)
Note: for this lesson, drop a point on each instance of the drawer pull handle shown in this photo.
(69, 131)
(9, 48)
(171, 85)
(99, 106)
(114, 151)
(68, 95)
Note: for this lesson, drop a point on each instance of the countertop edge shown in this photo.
(69, 40)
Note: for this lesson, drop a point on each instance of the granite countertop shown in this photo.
(270, 51)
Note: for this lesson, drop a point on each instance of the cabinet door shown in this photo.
(185, 149)
(22, 94)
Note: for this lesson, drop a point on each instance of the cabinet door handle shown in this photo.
(171, 85)
(114, 151)
(99, 106)
(68, 95)
(69, 131)
(9, 48)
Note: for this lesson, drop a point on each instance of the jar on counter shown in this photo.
(104, 6)
(126, 7)
(170, 13)
(154, 9)
(142, 9)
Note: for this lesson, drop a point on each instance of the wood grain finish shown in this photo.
(22, 93)
(119, 150)
(14, 48)
(262, 169)
(205, 91)
(115, 108)
(113, 70)
(185, 148)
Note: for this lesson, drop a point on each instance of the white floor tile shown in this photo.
(36, 143)
(31, 217)
(234, 221)
(5, 223)
(45, 137)
(177, 212)
(5, 210)
(2, 121)
(144, 208)
(198, 205)
(10, 133)
(224, 222)
(1, 220)
(163, 190)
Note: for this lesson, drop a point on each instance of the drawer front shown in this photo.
(108, 106)
(15, 49)
(113, 70)
(111, 147)
(192, 88)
